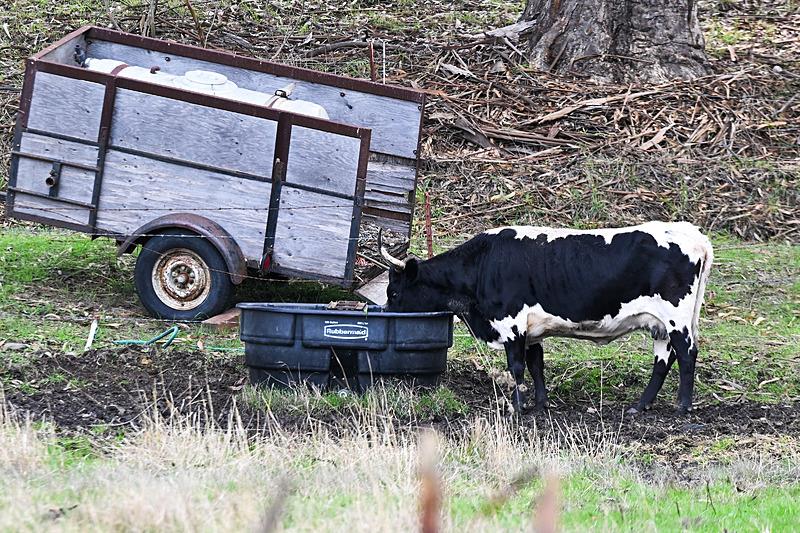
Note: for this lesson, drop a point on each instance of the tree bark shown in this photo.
(646, 41)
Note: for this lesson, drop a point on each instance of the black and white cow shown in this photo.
(514, 286)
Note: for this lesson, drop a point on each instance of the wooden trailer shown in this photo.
(210, 187)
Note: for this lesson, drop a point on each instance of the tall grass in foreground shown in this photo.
(362, 475)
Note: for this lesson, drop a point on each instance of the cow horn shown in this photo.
(386, 255)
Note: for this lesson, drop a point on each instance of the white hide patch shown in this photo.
(687, 236)
(661, 350)
(644, 312)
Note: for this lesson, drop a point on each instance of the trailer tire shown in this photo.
(180, 277)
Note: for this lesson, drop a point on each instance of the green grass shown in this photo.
(613, 501)
(628, 505)
(389, 400)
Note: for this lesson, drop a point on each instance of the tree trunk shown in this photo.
(646, 41)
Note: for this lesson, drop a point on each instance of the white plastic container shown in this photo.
(213, 83)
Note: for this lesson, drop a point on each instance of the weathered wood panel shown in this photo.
(394, 123)
(192, 132)
(69, 151)
(397, 203)
(66, 106)
(323, 159)
(390, 176)
(65, 54)
(74, 184)
(399, 226)
(51, 209)
(390, 187)
(389, 206)
(138, 189)
(311, 238)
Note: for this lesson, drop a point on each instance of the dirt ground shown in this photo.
(117, 388)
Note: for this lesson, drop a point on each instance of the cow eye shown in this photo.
(393, 294)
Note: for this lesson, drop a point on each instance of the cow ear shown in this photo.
(412, 269)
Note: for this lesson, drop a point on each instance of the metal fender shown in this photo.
(216, 235)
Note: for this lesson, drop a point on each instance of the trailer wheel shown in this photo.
(182, 277)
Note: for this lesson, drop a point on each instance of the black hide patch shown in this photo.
(580, 277)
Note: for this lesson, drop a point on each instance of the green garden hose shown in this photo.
(172, 332)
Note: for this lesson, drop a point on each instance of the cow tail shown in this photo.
(705, 272)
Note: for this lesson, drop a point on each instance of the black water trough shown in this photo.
(287, 344)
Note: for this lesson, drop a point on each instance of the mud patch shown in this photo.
(118, 387)
(477, 389)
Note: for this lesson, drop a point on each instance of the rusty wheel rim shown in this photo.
(181, 279)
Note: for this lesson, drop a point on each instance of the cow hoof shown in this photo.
(541, 406)
(683, 410)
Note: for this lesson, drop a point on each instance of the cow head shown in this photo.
(407, 290)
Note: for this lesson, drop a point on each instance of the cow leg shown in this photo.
(534, 358)
(686, 352)
(664, 358)
(515, 353)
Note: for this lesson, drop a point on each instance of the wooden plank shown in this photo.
(50, 209)
(138, 189)
(224, 321)
(323, 160)
(66, 106)
(74, 183)
(386, 188)
(384, 174)
(399, 226)
(192, 132)
(390, 187)
(389, 206)
(375, 289)
(62, 150)
(401, 201)
(311, 238)
(395, 123)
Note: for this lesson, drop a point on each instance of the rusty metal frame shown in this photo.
(280, 165)
(358, 205)
(280, 160)
(103, 136)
